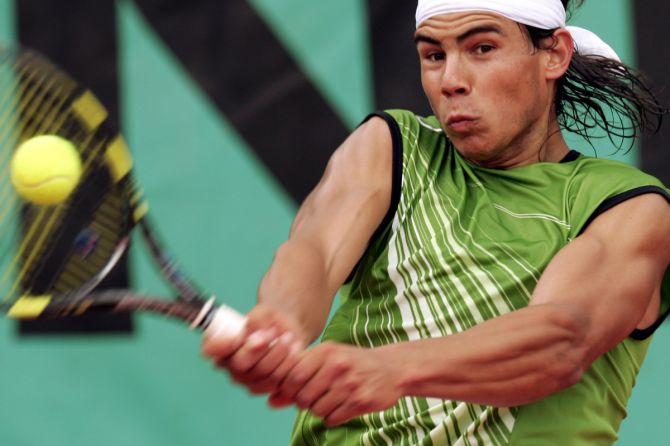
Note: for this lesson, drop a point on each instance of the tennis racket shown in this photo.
(53, 257)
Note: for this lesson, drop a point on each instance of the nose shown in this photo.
(455, 78)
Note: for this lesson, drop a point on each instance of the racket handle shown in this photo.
(226, 322)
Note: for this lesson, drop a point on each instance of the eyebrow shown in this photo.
(480, 30)
(421, 38)
(466, 35)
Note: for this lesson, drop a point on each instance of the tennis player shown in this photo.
(498, 286)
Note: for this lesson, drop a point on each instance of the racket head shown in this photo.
(66, 249)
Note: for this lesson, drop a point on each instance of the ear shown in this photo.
(560, 54)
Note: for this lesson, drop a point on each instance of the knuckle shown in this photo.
(296, 379)
(340, 365)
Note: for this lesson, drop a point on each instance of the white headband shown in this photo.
(543, 14)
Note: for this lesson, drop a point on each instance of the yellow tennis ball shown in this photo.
(45, 169)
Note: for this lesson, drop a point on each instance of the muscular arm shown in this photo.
(332, 229)
(593, 294)
(330, 233)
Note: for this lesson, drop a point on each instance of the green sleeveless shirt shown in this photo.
(462, 244)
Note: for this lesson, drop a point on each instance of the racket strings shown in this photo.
(43, 104)
(97, 243)
(31, 101)
(12, 125)
(95, 247)
(62, 252)
(22, 102)
(41, 110)
(80, 248)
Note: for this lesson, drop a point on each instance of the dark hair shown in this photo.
(600, 93)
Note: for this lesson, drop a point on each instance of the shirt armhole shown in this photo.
(396, 177)
(638, 335)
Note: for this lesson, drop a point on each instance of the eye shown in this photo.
(434, 56)
(484, 48)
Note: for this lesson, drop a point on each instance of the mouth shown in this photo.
(461, 123)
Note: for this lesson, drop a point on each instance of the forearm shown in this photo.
(577, 313)
(332, 229)
(510, 360)
(298, 284)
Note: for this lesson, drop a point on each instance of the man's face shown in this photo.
(486, 85)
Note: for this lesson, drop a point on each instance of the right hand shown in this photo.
(263, 353)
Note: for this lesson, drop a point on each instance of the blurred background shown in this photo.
(232, 109)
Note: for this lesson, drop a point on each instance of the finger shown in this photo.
(316, 387)
(293, 349)
(256, 346)
(266, 375)
(220, 346)
(305, 368)
(329, 402)
(278, 401)
(265, 366)
(350, 407)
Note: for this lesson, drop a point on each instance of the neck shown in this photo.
(537, 145)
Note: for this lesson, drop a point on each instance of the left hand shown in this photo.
(339, 382)
(260, 356)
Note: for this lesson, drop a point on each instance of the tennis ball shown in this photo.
(45, 169)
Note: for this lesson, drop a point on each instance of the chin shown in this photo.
(472, 148)
(481, 154)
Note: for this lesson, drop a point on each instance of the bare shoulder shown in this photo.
(368, 149)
